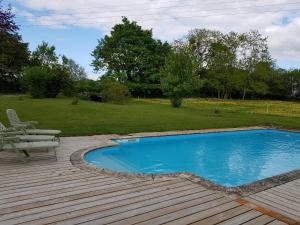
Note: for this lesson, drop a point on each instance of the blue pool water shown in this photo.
(227, 158)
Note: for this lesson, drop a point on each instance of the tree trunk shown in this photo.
(244, 93)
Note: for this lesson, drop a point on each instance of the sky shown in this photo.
(74, 26)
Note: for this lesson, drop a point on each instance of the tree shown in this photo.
(231, 63)
(44, 55)
(131, 51)
(76, 71)
(7, 23)
(14, 53)
(293, 82)
(255, 60)
(179, 76)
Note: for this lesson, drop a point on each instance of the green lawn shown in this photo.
(89, 118)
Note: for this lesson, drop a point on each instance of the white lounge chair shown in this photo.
(27, 126)
(25, 137)
(12, 143)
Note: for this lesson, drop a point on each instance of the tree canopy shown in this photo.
(131, 53)
(14, 53)
(179, 76)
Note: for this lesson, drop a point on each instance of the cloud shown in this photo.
(279, 20)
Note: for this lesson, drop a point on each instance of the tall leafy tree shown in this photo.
(76, 71)
(14, 53)
(44, 55)
(255, 60)
(179, 76)
(132, 52)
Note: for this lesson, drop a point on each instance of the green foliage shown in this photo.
(231, 64)
(176, 101)
(114, 92)
(14, 54)
(87, 85)
(76, 71)
(44, 55)
(43, 82)
(217, 111)
(179, 76)
(75, 101)
(130, 54)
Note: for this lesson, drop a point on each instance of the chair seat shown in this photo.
(42, 131)
(31, 145)
(35, 137)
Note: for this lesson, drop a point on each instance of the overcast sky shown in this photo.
(74, 26)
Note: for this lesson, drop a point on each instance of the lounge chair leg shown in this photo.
(55, 154)
(19, 155)
(26, 153)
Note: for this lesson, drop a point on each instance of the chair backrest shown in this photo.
(2, 127)
(12, 117)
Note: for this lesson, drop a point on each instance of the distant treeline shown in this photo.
(231, 65)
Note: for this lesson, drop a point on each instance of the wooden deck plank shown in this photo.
(147, 215)
(79, 203)
(62, 200)
(67, 193)
(47, 182)
(282, 207)
(61, 189)
(73, 212)
(122, 212)
(282, 195)
(223, 216)
(129, 215)
(273, 207)
(276, 222)
(188, 215)
(261, 220)
(280, 201)
(242, 218)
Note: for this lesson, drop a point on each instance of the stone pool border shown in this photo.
(244, 190)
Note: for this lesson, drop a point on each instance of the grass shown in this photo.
(87, 118)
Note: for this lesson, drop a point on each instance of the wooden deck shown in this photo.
(284, 199)
(43, 191)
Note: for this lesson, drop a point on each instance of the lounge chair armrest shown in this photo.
(10, 129)
(20, 126)
(31, 122)
(10, 139)
(12, 133)
(28, 123)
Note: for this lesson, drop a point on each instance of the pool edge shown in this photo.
(77, 159)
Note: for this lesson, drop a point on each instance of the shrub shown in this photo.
(114, 92)
(41, 82)
(176, 101)
(75, 101)
(217, 111)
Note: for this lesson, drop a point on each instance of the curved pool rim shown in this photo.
(77, 159)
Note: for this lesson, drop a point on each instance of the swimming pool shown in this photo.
(230, 158)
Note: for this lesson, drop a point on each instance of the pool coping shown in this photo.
(77, 159)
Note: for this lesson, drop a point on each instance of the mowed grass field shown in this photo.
(88, 118)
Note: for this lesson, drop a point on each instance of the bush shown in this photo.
(176, 101)
(217, 111)
(42, 82)
(114, 92)
(87, 85)
(75, 101)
